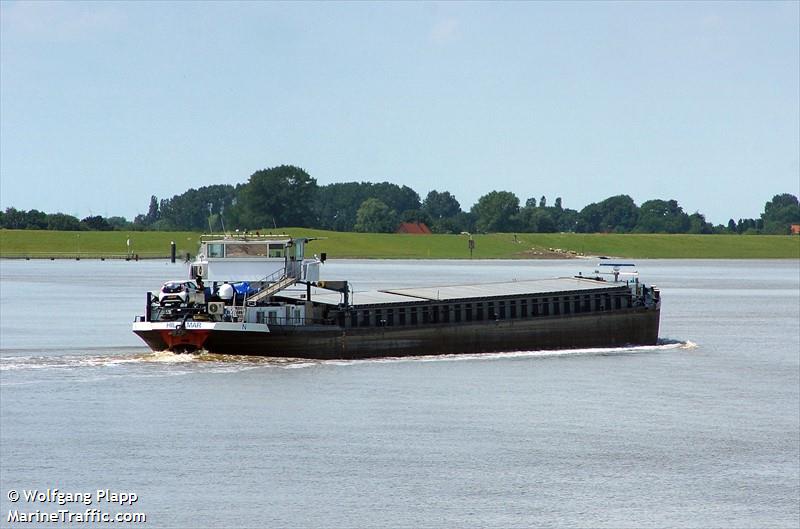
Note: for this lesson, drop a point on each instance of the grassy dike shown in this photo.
(46, 244)
(88, 244)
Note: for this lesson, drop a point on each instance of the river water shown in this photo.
(702, 430)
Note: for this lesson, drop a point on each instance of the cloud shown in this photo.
(445, 30)
(58, 21)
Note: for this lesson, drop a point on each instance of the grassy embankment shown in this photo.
(45, 244)
(93, 244)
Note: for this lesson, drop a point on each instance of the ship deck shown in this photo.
(469, 292)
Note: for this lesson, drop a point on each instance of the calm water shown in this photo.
(700, 431)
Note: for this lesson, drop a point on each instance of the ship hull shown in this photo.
(636, 326)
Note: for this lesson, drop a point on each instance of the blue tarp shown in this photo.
(243, 288)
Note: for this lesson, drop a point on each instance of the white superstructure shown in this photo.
(253, 258)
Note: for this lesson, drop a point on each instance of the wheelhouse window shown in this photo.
(215, 250)
(245, 250)
(276, 250)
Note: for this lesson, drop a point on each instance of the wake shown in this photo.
(228, 363)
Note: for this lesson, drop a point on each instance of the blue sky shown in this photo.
(105, 104)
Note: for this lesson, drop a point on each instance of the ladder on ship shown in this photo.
(272, 289)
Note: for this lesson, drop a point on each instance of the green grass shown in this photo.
(14, 243)
(43, 243)
(503, 245)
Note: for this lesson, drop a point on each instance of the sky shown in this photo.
(103, 104)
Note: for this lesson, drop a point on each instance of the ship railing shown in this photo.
(277, 275)
(282, 321)
(294, 322)
(232, 314)
(244, 236)
(269, 280)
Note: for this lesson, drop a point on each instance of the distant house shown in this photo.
(414, 228)
(795, 229)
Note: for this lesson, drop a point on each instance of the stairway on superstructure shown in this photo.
(272, 289)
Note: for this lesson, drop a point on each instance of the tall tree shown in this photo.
(96, 223)
(63, 222)
(280, 196)
(441, 205)
(614, 214)
(37, 220)
(192, 209)
(496, 211)
(152, 211)
(13, 219)
(662, 216)
(536, 220)
(398, 198)
(780, 213)
(375, 216)
(698, 224)
(337, 205)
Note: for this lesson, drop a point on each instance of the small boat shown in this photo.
(245, 296)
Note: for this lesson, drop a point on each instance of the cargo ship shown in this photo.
(260, 295)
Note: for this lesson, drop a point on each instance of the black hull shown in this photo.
(599, 329)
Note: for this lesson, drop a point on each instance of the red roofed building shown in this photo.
(414, 228)
(795, 229)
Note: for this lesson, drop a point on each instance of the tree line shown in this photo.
(288, 196)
